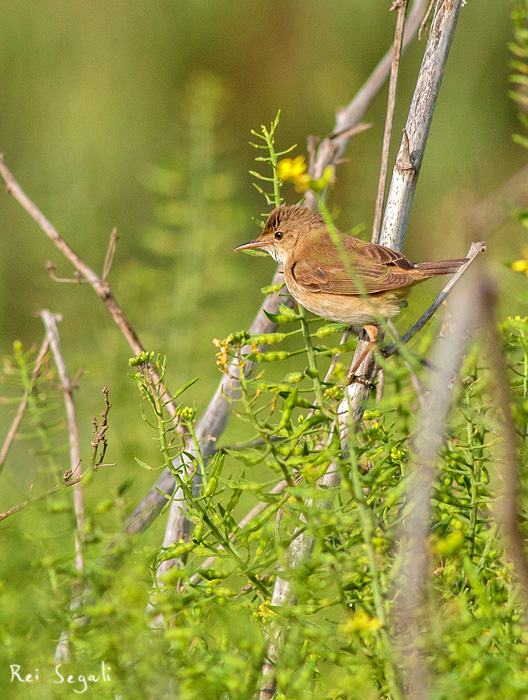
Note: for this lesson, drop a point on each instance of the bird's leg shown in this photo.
(373, 333)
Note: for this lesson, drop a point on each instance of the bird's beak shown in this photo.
(252, 244)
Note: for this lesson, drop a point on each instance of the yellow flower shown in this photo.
(291, 168)
(265, 610)
(361, 622)
(295, 170)
(522, 264)
(302, 182)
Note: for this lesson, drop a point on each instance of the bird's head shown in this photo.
(285, 228)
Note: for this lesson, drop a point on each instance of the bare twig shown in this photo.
(99, 285)
(396, 53)
(405, 178)
(23, 404)
(50, 323)
(331, 149)
(33, 499)
(100, 440)
(110, 253)
(475, 249)
(77, 279)
(424, 21)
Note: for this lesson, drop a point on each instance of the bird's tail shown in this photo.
(441, 267)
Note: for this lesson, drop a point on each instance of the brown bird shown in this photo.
(355, 282)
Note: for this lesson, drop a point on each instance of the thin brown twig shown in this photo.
(100, 439)
(397, 47)
(332, 147)
(423, 23)
(66, 480)
(23, 404)
(99, 285)
(110, 253)
(77, 279)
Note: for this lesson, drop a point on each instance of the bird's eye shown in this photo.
(279, 235)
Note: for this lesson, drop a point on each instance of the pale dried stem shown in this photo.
(396, 53)
(50, 324)
(331, 149)
(23, 404)
(62, 651)
(409, 161)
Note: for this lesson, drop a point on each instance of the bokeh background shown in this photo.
(137, 115)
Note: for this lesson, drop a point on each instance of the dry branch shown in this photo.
(99, 285)
(50, 323)
(332, 148)
(396, 53)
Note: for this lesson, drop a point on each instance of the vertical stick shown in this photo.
(396, 54)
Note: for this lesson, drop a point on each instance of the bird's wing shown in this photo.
(369, 269)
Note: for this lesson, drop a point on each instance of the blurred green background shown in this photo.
(138, 116)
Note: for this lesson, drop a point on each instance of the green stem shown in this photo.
(367, 528)
(311, 356)
(35, 413)
(187, 491)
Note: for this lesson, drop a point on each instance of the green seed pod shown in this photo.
(294, 377)
(211, 486)
(272, 288)
(274, 356)
(198, 531)
(289, 405)
(327, 330)
(268, 338)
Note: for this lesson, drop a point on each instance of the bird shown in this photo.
(341, 278)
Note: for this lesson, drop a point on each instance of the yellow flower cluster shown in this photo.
(361, 622)
(295, 170)
(522, 264)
